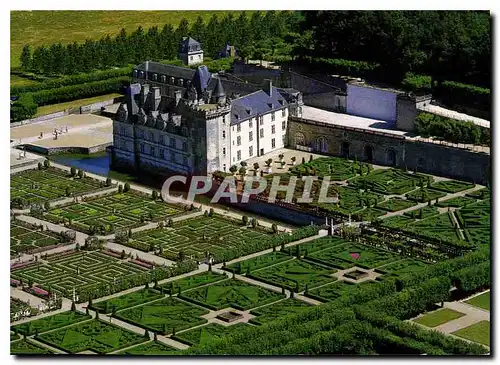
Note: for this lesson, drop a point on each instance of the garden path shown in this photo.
(141, 254)
(472, 315)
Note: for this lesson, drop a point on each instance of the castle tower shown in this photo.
(219, 94)
(190, 51)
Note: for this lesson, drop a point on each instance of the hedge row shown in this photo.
(417, 83)
(455, 93)
(473, 278)
(451, 130)
(72, 80)
(344, 67)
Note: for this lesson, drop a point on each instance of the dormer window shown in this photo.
(180, 82)
(270, 105)
(155, 77)
(135, 73)
(141, 75)
(163, 78)
(172, 81)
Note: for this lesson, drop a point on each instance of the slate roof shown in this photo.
(254, 104)
(201, 78)
(189, 42)
(219, 89)
(169, 70)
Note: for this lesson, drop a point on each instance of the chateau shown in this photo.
(179, 120)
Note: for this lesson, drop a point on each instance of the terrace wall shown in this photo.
(431, 158)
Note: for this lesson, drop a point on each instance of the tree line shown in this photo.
(258, 33)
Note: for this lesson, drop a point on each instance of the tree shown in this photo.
(40, 166)
(108, 181)
(233, 169)
(303, 160)
(73, 171)
(126, 187)
(80, 174)
(46, 205)
(274, 227)
(244, 220)
(242, 171)
(154, 195)
(26, 61)
(120, 189)
(256, 166)
(73, 306)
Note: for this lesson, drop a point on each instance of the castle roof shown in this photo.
(189, 44)
(200, 79)
(168, 70)
(255, 104)
(219, 89)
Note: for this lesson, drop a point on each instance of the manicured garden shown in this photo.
(333, 291)
(26, 237)
(351, 201)
(194, 237)
(49, 323)
(282, 308)
(438, 317)
(26, 347)
(95, 335)
(38, 186)
(164, 316)
(126, 301)
(424, 195)
(258, 262)
(402, 267)
(457, 202)
(191, 282)
(205, 334)
(395, 204)
(452, 186)
(151, 348)
(295, 275)
(390, 181)
(338, 169)
(231, 293)
(105, 214)
(478, 332)
(482, 301)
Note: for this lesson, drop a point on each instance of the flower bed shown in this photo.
(139, 262)
(59, 254)
(112, 253)
(22, 264)
(15, 283)
(37, 292)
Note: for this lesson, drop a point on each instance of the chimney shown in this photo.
(144, 94)
(177, 95)
(156, 97)
(147, 69)
(268, 87)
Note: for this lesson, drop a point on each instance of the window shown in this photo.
(155, 77)
(238, 128)
(284, 139)
(261, 133)
(224, 151)
(160, 139)
(190, 58)
(152, 151)
(250, 136)
(272, 117)
(261, 120)
(124, 145)
(141, 146)
(283, 112)
(151, 136)
(141, 133)
(223, 134)
(122, 130)
(273, 143)
(172, 142)
(283, 125)
(224, 119)
(184, 160)
(250, 123)
(172, 157)
(238, 141)
(199, 56)
(162, 153)
(238, 155)
(273, 129)
(184, 146)
(250, 151)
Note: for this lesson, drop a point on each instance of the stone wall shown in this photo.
(68, 149)
(388, 149)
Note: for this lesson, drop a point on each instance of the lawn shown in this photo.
(38, 186)
(164, 316)
(258, 262)
(194, 237)
(478, 236)
(51, 322)
(191, 282)
(331, 291)
(152, 348)
(438, 317)
(483, 194)
(37, 28)
(105, 214)
(477, 215)
(402, 267)
(395, 204)
(231, 293)
(478, 332)
(126, 301)
(441, 226)
(397, 221)
(422, 213)
(206, 334)
(282, 308)
(315, 245)
(452, 186)
(295, 275)
(81, 271)
(482, 301)
(53, 108)
(96, 336)
(424, 195)
(26, 347)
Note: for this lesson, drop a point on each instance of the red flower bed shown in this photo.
(22, 264)
(142, 263)
(112, 253)
(61, 254)
(15, 283)
(37, 291)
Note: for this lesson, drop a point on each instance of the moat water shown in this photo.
(98, 164)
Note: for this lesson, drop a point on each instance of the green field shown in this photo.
(51, 322)
(478, 332)
(151, 348)
(53, 108)
(81, 271)
(37, 28)
(96, 336)
(26, 347)
(191, 282)
(107, 213)
(38, 186)
(295, 275)
(285, 307)
(195, 236)
(164, 316)
(482, 301)
(126, 301)
(438, 317)
(206, 334)
(231, 293)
